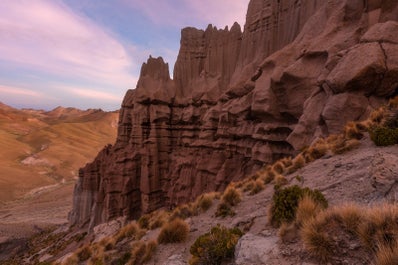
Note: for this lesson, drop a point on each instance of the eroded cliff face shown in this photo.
(239, 100)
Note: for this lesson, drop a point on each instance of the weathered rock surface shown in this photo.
(299, 70)
(104, 230)
(256, 249)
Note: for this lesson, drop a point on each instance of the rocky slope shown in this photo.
(238, 100)
(365, 175)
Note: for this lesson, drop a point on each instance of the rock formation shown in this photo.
(300, 70)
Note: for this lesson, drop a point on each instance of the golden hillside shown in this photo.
(40, 149)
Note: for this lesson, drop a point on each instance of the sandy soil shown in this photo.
(21, 218)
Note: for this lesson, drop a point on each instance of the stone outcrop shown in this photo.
(256, 249)
(239, 100)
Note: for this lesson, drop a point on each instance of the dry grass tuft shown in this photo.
(173, 232)
(238, 184)
(377, 116)
(232, 196)
(131, 230)
(352, 131)
(288, 232)
(286, 161)
(364, 125)
(84, 253)
(268, 175)
(224, 209)
(143, 221)
(307, 209)
(278, 167)
(151, 247)
(280, 181)
(96, 261)
(376, 228)
(386, 255)
(316, 151)
(380, 226)
(184, 211)
(342, 145)
(138, 249)
(248, 185)
(71, 260)
(393, 102)
(205, 201)
(158, 218)
(108, 243)
(297, 163)
(98, 254)
(258, 186)
(142, 252)
(316, 241)
(350, 215)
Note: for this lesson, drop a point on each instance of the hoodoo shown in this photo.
(238, 100)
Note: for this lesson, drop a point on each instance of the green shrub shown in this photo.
(384, 136)
(215, 247)
(285, 202)
(317, 196)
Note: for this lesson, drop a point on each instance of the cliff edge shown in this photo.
(238, 100)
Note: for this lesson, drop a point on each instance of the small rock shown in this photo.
(266, 233)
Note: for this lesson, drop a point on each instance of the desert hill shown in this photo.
(41, 152)
(42, 148)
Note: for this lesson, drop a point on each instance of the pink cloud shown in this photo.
(95, 94)
(11, 90)
(183, 13)
(47, 36)
(221, 12)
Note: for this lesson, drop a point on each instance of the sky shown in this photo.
(87, 53)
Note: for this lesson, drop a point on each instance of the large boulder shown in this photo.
(360, 69)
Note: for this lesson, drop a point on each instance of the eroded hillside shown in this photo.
(40, 148)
